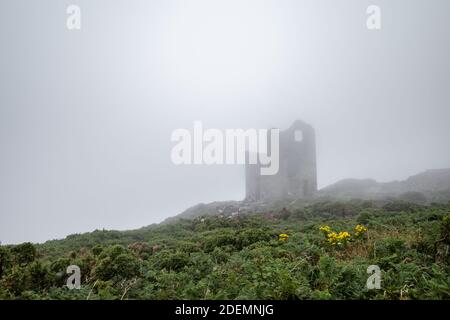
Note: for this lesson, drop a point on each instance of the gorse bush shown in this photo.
(320, 251)
(343, 237)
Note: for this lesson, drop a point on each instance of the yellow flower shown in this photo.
(283, 237)
(360, 230)
(338, 238)
(332, 235)
(344, 235)
(334, 238)
(325, 229)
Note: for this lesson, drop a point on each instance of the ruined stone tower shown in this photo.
(297, 174)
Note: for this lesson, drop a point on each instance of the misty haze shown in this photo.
(86, 116)
(118, 124)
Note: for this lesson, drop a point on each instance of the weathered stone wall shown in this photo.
(297, 175)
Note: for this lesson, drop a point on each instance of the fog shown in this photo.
(86, 115)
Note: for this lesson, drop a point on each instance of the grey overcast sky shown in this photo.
(86, 116)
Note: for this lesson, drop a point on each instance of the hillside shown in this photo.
(288, 255)
(428, 186)
(318, 248)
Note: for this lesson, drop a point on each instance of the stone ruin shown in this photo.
(297, 174)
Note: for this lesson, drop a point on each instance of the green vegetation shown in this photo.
(301, 254)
